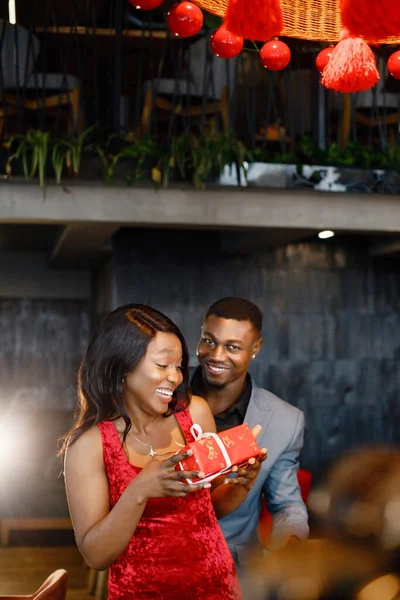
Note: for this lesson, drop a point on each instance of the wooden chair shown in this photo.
(98, 584)
(53, 588)
(161, 93)
(274, 133)
(5, 112)
(19, 50)
(375, 108)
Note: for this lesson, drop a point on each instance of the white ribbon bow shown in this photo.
(198, 434)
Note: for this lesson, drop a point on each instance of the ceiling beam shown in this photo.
(385, 247)
(213, 208)
(82, 245)
(238, 242)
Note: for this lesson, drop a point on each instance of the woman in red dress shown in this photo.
(131, 511)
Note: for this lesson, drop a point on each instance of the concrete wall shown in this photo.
(42, 344)
(44, 323)
(27, 275)
(332, 323)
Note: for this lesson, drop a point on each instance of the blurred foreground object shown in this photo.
(53, 588)
(357, 512)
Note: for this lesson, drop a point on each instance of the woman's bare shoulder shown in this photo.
(87, 446)
(198, 402)
(201, 413)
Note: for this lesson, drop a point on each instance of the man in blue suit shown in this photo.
(230, 340)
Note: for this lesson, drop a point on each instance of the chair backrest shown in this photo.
(53, 588)
(209, 73)
(19, 50)
(378, 96)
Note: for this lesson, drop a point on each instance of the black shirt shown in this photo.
(234, 415)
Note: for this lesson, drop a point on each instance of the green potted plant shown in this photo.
(131, 154)
(31, 150)
(67, 150)
(199, 159)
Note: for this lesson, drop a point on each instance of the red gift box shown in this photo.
(216, 454)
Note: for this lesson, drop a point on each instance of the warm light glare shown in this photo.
(391, 530)
(299, 588)
(385, 588)
(320, 501)
(8, 443)
(12, 442)
(324, 235)
(12, 13)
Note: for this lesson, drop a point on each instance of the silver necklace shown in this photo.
(152, 452)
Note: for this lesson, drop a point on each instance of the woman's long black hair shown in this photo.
(116, 348)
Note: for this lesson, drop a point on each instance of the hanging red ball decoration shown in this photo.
(145, 4)
(323, 58)
(352, 66)
(275, 55)
(225, 44)
(185, 19)
(393, 64)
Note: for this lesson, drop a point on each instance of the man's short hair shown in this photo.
(238, 309)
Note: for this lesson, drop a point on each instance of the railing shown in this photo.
(109, 69)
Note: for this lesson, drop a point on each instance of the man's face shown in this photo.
(225, 349)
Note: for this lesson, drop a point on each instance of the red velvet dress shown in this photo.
(178, 551)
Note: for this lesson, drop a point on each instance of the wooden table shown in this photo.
(8, 525)
(23, 569)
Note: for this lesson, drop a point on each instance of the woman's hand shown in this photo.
(158, 479)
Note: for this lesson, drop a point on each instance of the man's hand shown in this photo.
(247, 475)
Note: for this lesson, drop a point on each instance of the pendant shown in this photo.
(152, 452)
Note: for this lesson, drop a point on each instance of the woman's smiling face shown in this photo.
(150, 386)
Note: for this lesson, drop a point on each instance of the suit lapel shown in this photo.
(258, 411)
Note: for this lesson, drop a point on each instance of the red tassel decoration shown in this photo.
(256, 20)
(371, 19)
(352, 66)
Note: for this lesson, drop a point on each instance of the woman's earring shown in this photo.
(253, 356)
(123, 380)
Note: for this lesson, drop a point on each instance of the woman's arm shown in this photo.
(103, 534)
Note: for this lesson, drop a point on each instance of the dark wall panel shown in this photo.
(42, 344)
(331, 331)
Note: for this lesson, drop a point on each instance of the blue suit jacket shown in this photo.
(282, 435)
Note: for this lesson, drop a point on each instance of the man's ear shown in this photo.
(257, 347)
(201, 335)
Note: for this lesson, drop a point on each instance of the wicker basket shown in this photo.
(317, 20)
